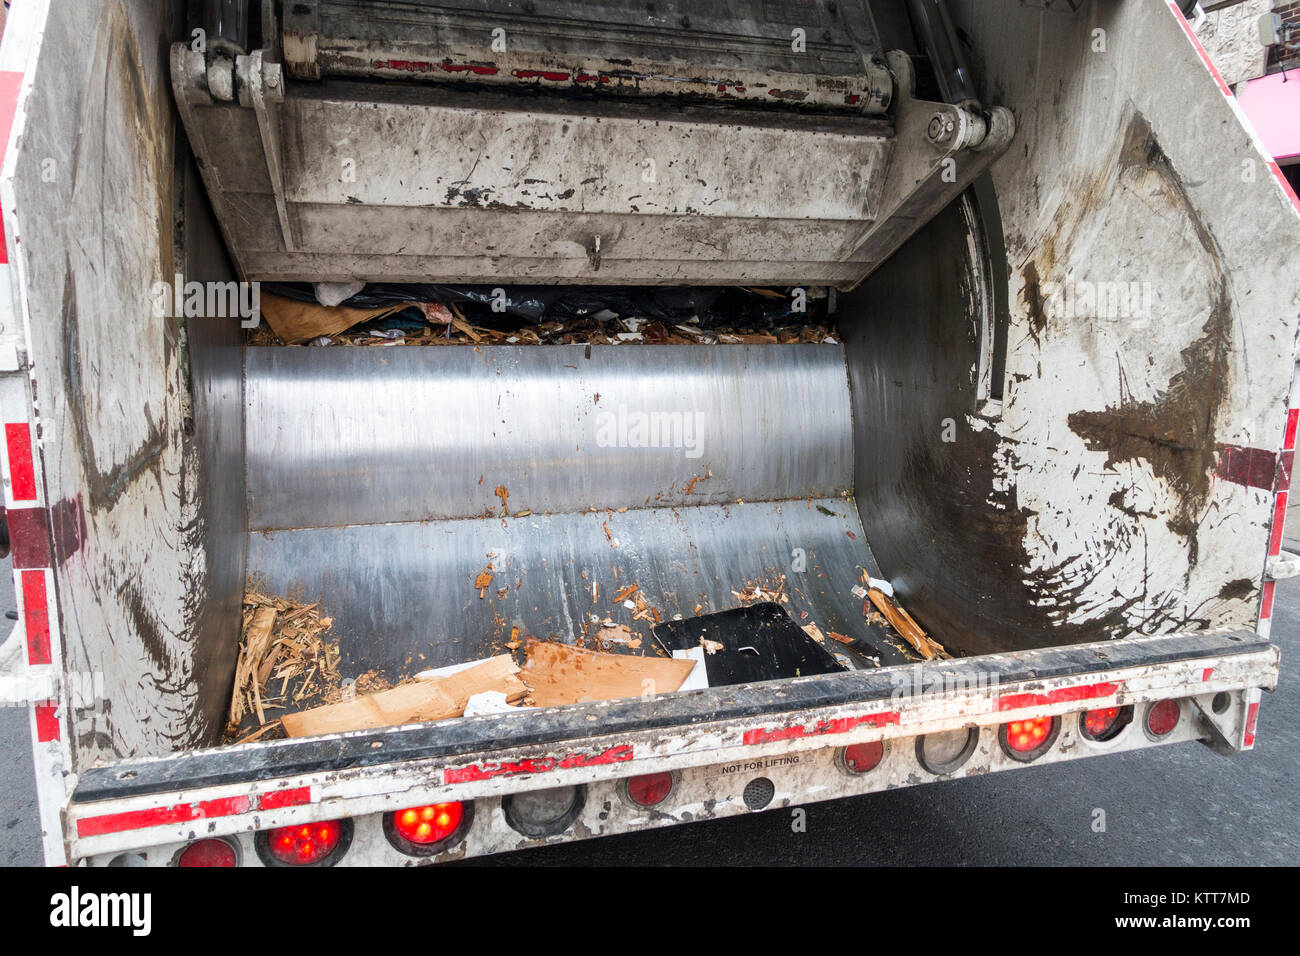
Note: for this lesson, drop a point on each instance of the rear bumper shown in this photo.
(703, 736)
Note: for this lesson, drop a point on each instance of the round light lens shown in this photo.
(208, 853)
(1026, 736)
(1105, 723)
(649, 789)
(860, 758)
(306, 843)
(429, 824)
(1028, 739)
(947, 751)
(539, 813)
(1099, 722)
(1162, 718)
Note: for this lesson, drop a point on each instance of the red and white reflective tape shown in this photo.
(33, 576)
(1267, 159)
(181, 813)
(1252, 718)
(1282, 491)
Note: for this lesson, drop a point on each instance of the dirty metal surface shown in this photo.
(739, 51)
(491, 187)
(797, 776)
(403, 596)
(351, 436)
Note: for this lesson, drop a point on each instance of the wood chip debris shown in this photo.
(763, 591)
(284, 658)
(613, 633)
(902, 623)
(514, 643)
(623, 594)
(689, 487)
(815, 632)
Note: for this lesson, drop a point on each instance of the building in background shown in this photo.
(1264, 75)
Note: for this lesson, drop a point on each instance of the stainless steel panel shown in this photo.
(346, 435)
(402, 595)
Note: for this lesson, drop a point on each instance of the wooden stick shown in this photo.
(907, 628)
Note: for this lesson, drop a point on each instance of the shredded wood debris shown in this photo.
(285, 659)
(763, 591)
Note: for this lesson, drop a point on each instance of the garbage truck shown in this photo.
(1021, 488)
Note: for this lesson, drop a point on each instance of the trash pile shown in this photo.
(387, 315)
(287, 680)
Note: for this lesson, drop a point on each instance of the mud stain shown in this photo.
(1237, 590)
(1173, 433)
(1034, 300)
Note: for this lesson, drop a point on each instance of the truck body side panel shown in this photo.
(123, 463)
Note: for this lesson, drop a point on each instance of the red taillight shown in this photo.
(430, 824)
(1163, 717)
(1099, 723)
(649, 789)
(860, 758)
(208, 853)
(1026, 736)
(306, 843)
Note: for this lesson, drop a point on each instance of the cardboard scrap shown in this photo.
(421, 700)
(562, 674)
(295, 321)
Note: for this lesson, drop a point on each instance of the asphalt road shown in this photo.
(1174, 806)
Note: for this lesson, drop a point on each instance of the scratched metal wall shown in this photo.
(1099, 499)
